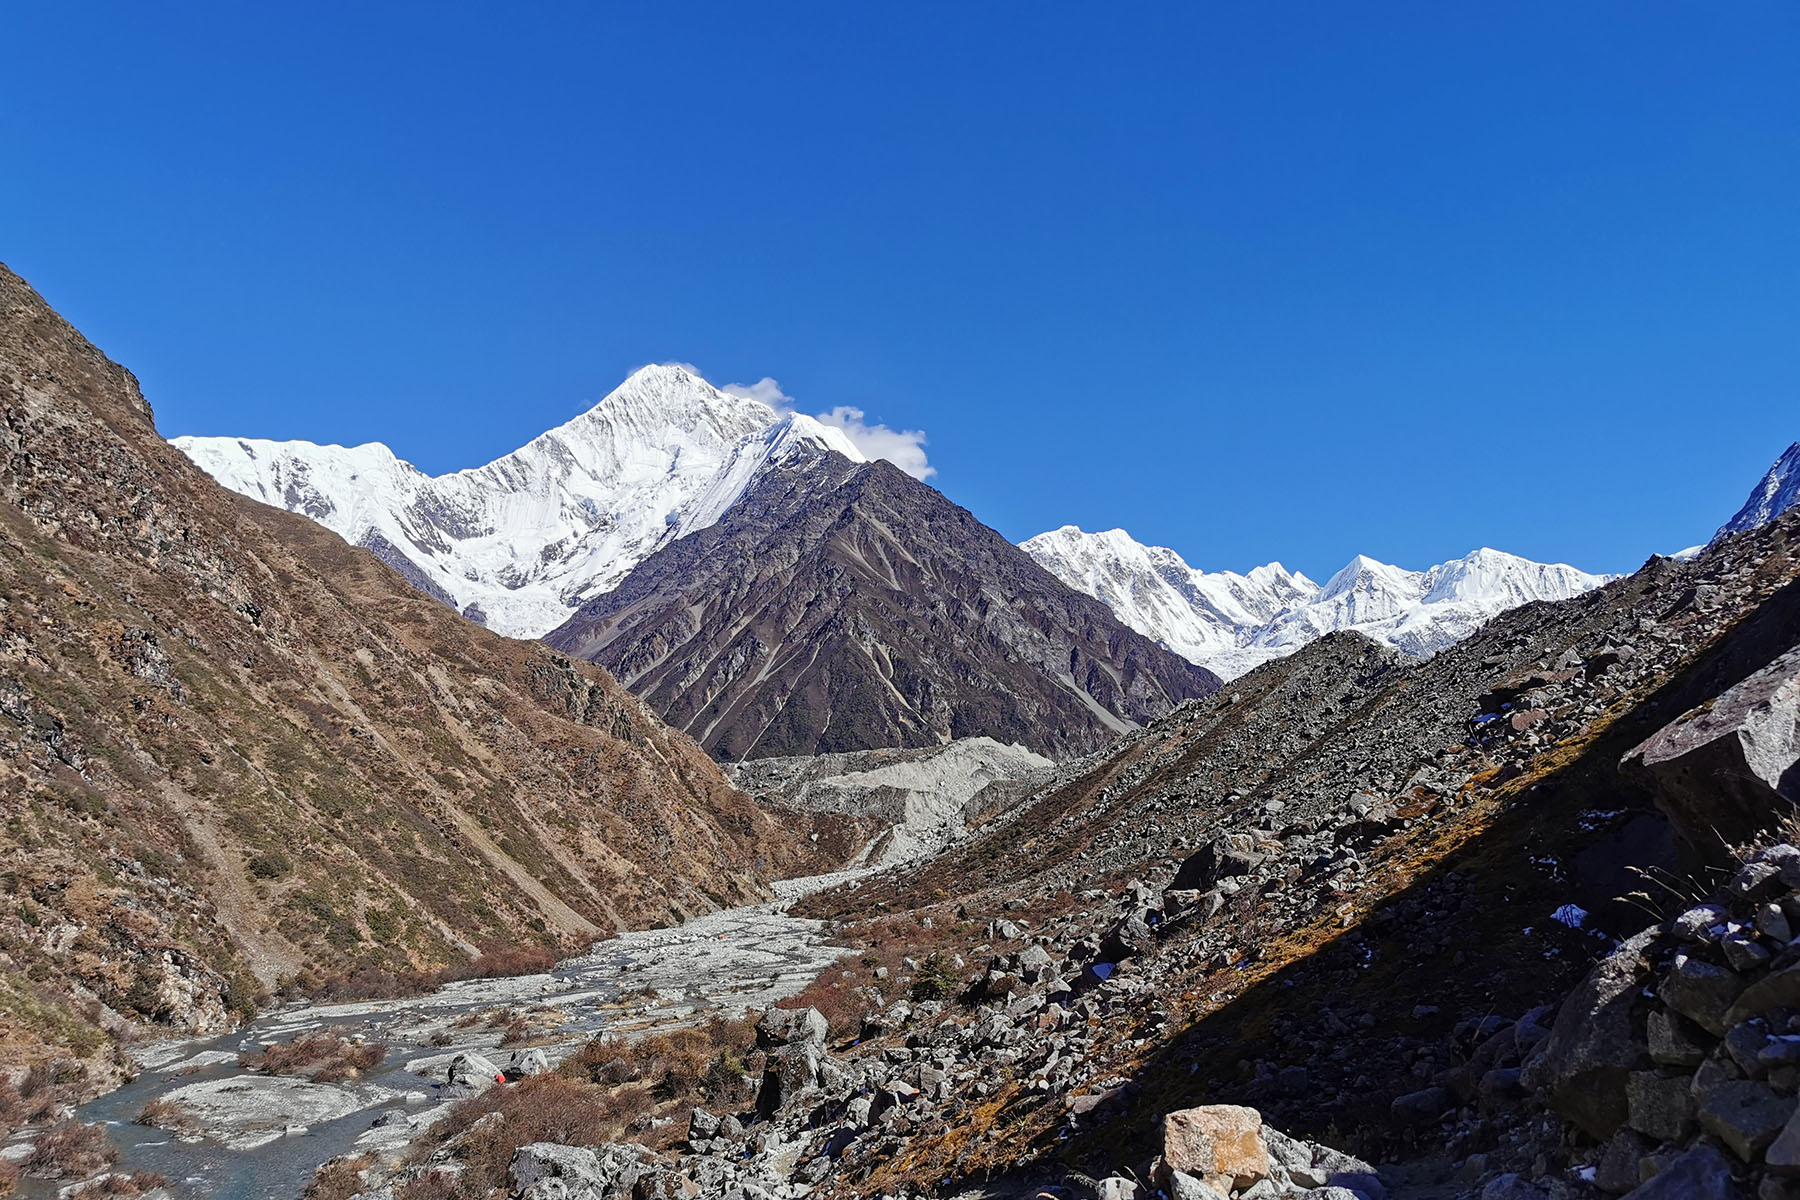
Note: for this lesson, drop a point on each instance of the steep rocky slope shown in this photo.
(1351, 893)
(235, 750)
(843, 606)
(1774, 494)
(1230, 623)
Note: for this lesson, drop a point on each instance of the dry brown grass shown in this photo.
(591, 1099)
(324, 1057)
(542, 1108)
(851, 988)
(9, 1176)
(338, 1179)
(502, 962)
(163, 1113)
(121, 1185)
(70, 1151)
(432, 1185)
(39, 1095)
(703, 1063)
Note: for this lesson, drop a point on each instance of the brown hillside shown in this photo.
(235, 751)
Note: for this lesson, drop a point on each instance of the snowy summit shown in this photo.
(1778, 492)
(1231, 623)
(520, 542)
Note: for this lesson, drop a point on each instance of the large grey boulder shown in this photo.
(1700, 1174)
(470, 1074)
(550, 1168)
(1724, 772)
(791, 1026)
(1745, 1115)
(1226, 855)
(1583, 1067)
(791, 1070)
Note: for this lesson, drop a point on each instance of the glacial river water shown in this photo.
(261, 1137)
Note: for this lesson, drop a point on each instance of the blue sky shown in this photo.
(1285, 281)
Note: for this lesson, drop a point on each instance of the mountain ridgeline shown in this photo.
(1231, 623)
(748, 571)
(237, 753)
(842, 606)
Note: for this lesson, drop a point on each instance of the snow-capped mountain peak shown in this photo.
(1231, 623)
(1778, 491)
(520, 541)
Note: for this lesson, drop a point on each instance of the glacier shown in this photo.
(1231, 623)
(521, 542)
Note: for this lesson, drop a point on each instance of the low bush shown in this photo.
(703, 1063)
(501, 962)
(70, 1151)
(121, 1185)
(432, 1185)
(541, 1108)
(339, 1179)
(376, 983)
(39, 1095)
(163, 1113)
(937, 979)
(324, 1057)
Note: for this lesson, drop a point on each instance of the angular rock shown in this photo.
(577, 1168)
(1421, 1107)
(791, 1070)
(470, 1074)
(1745, 1115)
(1582, 1067)
(1777, 989)
(1783, 1155)
(1217, 1143)
(1183, 1186)
(1671, 1042)
(1701, 992)
(1700, 1174)
(1724, 773)
(1617, 1171)
(702, 1126)
(791, 1026)
(1225, 856)
(1660, 1105)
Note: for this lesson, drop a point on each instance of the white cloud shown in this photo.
(905, 448)
(765, 390)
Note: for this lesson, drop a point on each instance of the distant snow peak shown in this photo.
(1778, 492)
(1232, 623)
(563, 518)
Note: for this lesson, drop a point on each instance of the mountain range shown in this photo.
(765, 586)
(1231, 623)
(521, 542)
(773, 592)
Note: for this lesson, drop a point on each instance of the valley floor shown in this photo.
(248, 1134)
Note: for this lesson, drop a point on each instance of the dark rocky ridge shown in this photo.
(841, 606)
(1337, 893)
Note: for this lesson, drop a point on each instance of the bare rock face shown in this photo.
(844, 606)
(1220, 1144)
(1584, 1066)
(1725, 771)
